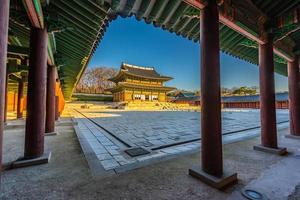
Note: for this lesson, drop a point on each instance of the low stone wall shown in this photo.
(251, 105)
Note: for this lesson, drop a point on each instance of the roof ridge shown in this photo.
(137, 67)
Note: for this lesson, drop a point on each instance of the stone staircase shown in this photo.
(163, 106)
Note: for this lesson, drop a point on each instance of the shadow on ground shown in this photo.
(67, 175)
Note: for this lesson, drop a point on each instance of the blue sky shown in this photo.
(135, 42)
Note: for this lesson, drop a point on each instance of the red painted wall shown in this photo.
(12, 98)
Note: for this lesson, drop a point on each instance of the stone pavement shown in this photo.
(68, 176)
(153, 129)
(164, 134)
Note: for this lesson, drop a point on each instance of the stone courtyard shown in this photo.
(107, 134)
(69, 176)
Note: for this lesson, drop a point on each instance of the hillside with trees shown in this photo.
(239, 91)
(234, 91)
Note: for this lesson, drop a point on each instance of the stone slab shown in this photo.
(228, 179)
(94, 163)
(293, 137)
(278, 151)
(44, 159)
(51, 134)
(136, 151)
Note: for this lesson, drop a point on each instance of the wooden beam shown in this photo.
(199, 4)
(15, 77)
(35, 13)
(19, 68)
(17, 50)
(283, 55)
(36, 17)
(196, 3)
(240, 30)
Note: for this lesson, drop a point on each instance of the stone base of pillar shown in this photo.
(51, 134)
(66, 123)
(44, 159)
(296, 137)
(12, 126)
(278, 151)
(228, 179)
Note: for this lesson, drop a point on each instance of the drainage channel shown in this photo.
(198, 139)
(107, 131)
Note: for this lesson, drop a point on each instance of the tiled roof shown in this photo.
(185, 94)
(146, 72)
(138, 71)
(138, 86)
(190, 98)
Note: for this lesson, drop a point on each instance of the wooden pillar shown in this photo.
(267, 98)
(50, 102)
(6, 97)
(4, 18)
(36, 96)
(267, 94)
(211, 132)
(20, 99)
(14, 105)
(294, 96)
(56, 107)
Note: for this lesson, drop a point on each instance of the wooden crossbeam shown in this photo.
(15, 77)
(18, 50)
(36, 17)
(199, 4)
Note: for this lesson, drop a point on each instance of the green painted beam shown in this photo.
(18, 50)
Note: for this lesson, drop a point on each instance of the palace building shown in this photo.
(136, 83)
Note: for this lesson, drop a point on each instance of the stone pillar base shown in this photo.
(66, 123)
(44, 159)
(297, 137)
(279, 151)
(228, 179)
(51, 134)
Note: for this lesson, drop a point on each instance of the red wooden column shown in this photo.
(6, 97)
(56, 107)
(20, 98)
(4, 18)
(211, 132)
(36, 95)
(267, 99)
(14, 104)
(294, 98)
(50, 102)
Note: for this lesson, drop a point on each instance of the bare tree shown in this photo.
(95, 80)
